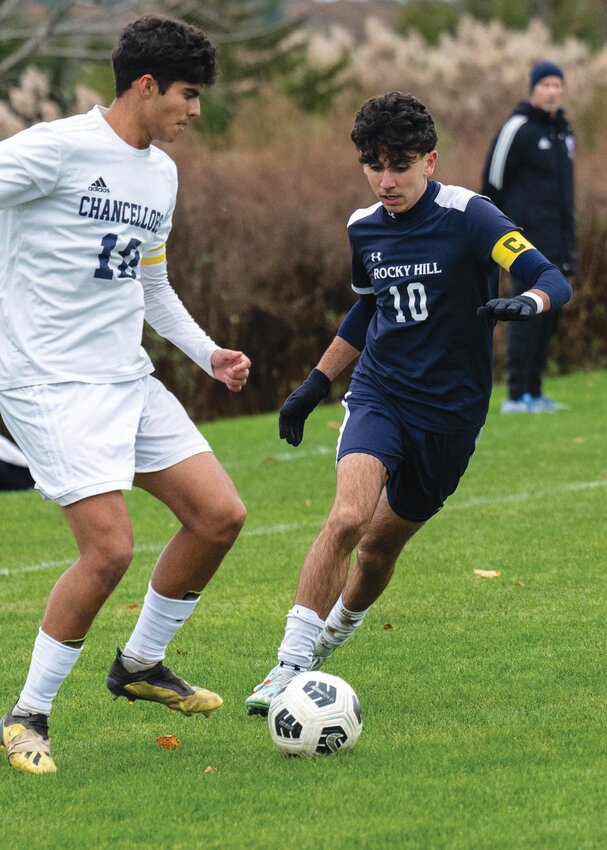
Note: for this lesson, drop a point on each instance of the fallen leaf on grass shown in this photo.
(210, 769)
(388, 627)
(133, 605)
(487, 573)
(333, 426)
(168, 742)
(519, 584)
(267, 459)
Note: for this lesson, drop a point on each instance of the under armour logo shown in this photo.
(376, 256)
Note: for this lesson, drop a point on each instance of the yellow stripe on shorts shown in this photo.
(509, 247)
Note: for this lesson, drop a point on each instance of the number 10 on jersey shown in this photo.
(417, 302)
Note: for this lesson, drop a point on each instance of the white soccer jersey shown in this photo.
(84, 218)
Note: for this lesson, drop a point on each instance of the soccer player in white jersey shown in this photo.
(425, 263)
(85, 212)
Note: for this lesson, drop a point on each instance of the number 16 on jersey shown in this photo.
(127, 268)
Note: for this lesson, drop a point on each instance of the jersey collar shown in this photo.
(418, 211)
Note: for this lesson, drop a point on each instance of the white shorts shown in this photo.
(84, 439)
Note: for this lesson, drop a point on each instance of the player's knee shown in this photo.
(347, 525)
(112, 558)
(103, 565)
(225, 526)
(375, 556)
(233, 521)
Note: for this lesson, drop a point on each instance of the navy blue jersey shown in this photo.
(430, 268)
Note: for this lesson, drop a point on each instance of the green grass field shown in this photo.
(484, 704)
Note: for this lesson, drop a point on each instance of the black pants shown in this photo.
(527, 349)
(14, 477)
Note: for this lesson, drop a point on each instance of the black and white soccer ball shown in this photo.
(316, 713)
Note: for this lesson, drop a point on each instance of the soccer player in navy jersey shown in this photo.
(425, 263)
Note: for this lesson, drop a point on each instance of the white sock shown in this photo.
(51, 663)
(302, 629)
(159, 621)
(340, 625)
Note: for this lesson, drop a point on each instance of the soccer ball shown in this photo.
(316, 713)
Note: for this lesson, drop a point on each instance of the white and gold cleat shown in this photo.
(27, 742)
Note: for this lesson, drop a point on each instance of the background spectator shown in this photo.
(529, 175)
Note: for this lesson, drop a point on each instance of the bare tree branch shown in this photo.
(34, 42)
(67, 32)
(111, 29)
(181, 8)
(7, 7)
(81, 54)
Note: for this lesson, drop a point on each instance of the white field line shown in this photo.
(577, 487)
(318, 450)
(282, 457)
(285, 528)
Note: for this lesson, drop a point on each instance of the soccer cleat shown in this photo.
(159, 684)
(543, 404)
(27, 742)
(276, 681)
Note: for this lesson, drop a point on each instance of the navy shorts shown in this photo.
(424, 467)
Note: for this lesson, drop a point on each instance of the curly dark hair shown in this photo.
(166, 48)
(394, 126)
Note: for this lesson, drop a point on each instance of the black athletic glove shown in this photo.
(517, 309)
(302, 401)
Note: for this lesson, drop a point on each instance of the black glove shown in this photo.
(517, 309)
(302, 401)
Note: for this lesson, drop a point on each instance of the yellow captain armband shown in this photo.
(155, 255)
(509, 247)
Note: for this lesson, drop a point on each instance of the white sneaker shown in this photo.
(543, 404)
(276, 681)
(520, 405)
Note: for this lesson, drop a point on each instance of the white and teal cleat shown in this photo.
(276, 681)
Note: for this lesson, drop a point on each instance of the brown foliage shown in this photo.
(168, 742)
(581, 340)
(259, 251)
(260, 256)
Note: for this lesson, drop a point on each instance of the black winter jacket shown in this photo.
(529, 176)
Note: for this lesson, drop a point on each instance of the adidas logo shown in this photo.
(98, 185)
